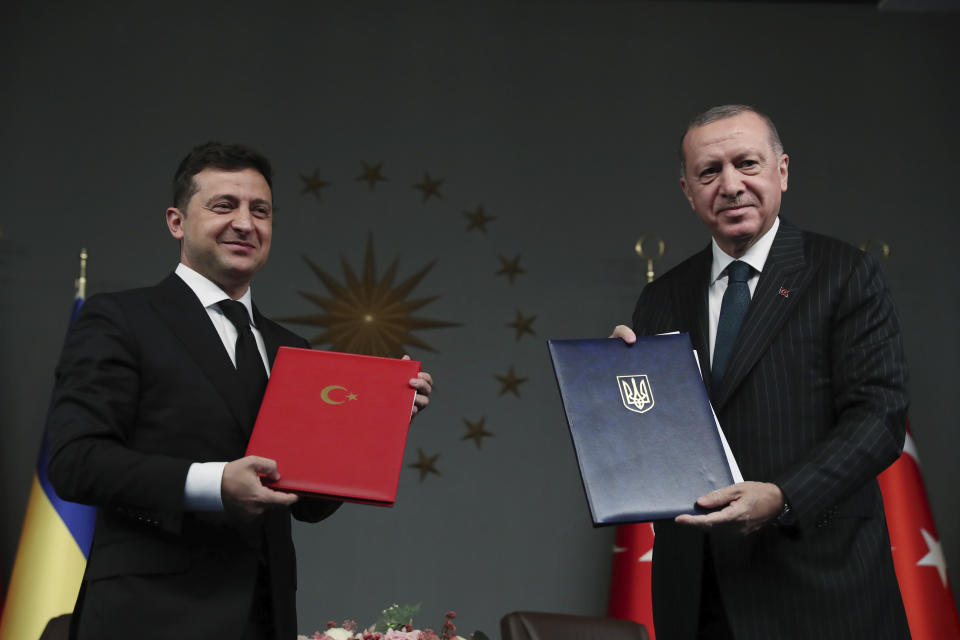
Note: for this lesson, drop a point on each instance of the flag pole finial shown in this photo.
(81, 283)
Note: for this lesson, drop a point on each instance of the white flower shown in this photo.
(339, 633)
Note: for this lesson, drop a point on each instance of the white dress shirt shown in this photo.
(202, 488)
(756, 257)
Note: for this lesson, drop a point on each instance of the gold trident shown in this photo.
(81, 282)
(661, 249)
(876, 246)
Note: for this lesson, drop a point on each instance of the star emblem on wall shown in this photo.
(372, 174)
(313, 184)
(510, 268)
(523, 324)
(369, 314)
(429, 187)
(425, 464)
(476, 431)
(478, 219)
(510, 382)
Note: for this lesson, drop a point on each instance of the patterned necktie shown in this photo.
(250, 367)
(733, 309)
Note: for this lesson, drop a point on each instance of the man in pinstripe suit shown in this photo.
(812, 399)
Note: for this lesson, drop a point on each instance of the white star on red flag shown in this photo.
(926, 597)
(934, 557)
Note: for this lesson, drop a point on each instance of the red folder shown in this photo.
(336, 423)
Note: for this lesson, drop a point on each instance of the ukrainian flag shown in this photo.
(53, 548)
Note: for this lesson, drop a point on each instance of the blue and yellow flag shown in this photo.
(53, 548)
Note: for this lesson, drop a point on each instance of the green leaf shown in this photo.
(396, 616)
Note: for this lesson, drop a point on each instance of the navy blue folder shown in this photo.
(642, 427)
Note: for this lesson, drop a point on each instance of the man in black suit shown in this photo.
(809, 385)
(152, 411)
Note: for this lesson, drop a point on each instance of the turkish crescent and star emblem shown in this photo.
(635, 392)
(335, 394)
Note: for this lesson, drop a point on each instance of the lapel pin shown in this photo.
(784, 292)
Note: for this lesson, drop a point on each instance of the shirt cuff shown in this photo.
(201, 491)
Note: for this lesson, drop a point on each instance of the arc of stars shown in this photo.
(372, 174)
(478, 219)
(313, 184)
(510, 381)
(425, 464)
(429, 187)
(476, 431)
(510, 268)
(523, 324)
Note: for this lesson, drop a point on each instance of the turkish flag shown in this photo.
(917, 555)
(629, 597)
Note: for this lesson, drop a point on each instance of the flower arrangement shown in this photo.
(395, 623)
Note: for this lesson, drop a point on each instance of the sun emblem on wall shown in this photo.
(369, 314)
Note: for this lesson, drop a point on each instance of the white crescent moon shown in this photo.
(328, 389)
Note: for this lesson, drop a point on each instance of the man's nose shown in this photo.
(242, 218)
(731, 184)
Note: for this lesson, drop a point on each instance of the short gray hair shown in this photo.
(722, 113)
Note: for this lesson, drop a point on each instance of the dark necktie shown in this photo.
(733, 309)
(250, 369)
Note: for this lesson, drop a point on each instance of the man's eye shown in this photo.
(706, 173)
(222, 206)
(261, 212)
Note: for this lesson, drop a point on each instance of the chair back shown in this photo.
(532, 625)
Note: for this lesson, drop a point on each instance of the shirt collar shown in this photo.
(756, 256)
(209, 293)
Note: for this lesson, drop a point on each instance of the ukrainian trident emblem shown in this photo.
(636, 393)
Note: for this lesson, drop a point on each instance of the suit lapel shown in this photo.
(180, 309)
(271, 341)
(693, 305)
(785, 275)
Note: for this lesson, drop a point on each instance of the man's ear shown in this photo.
(175, 219)
(782, 167)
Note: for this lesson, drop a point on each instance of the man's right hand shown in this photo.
(625, 333)
(242, 489)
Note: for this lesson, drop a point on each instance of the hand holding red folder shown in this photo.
(423, 383)
(336, 423)
(243, 491)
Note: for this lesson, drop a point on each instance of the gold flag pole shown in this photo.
(661, 249)
(81, 282)
(876, 246)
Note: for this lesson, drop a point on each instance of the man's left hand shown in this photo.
(747, 506)
(423, 383)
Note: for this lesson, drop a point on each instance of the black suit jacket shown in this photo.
(145, 388)
(814, 400)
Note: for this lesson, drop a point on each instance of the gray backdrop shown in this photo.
(562, 120)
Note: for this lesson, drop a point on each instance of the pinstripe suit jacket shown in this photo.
(815, 401)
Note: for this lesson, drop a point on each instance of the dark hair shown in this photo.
(230, 157)
(722, 113)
